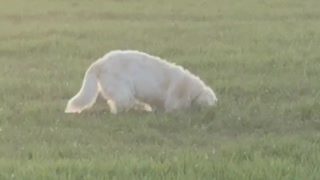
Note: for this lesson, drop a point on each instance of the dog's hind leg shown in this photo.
(118, 95)
(142, 106)
(122, 102)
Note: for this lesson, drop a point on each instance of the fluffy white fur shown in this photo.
(132, 79)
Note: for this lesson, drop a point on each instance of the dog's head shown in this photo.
(206, 98)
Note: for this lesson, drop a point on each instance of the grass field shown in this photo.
(262, 59)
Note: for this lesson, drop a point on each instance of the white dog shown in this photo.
(132, 79)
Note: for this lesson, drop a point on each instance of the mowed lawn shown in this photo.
(262, 59)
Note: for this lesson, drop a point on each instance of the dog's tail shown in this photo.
(88, 93)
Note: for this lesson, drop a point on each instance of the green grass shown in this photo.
(262, 59)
